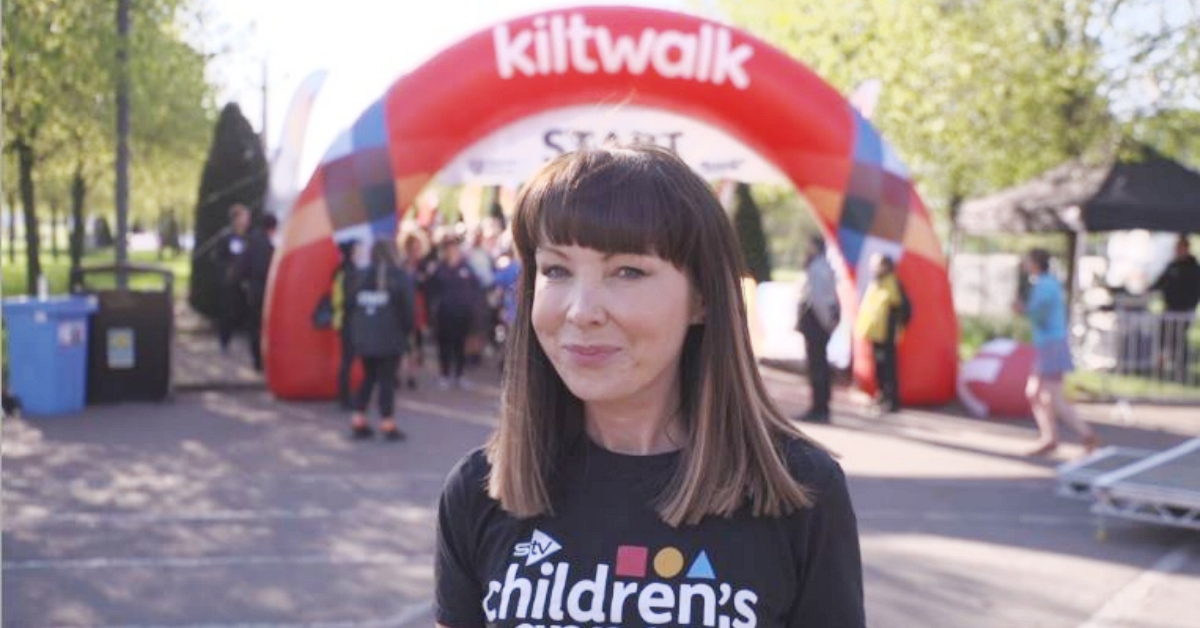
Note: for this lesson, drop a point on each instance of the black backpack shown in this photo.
(904, 312)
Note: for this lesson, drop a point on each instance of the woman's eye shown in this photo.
(629, 272)
(554, 272)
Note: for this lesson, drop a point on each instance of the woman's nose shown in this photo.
(586, 304)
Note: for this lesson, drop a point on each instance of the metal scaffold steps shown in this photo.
(1075, 478)
(1161, 487)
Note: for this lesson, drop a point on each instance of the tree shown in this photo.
(102, 235)
(59, 61)
(235, 172)
(1154, 59)
(1155, 71)
(54, 53)
(747, 221)
(789, 221)
(977, 94)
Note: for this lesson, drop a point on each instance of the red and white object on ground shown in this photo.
(992, 384)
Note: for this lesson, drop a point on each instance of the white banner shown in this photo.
(511, 154)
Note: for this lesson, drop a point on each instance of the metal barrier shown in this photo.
(1148, 345)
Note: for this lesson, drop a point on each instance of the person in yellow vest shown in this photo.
(878, 322)
(343, 285)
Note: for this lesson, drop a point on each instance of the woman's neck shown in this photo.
(635, 429)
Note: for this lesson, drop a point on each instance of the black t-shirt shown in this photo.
(605, 558)
(1180, 285)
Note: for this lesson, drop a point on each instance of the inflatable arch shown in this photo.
(706, 71)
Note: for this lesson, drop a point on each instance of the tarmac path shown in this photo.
(227, 509)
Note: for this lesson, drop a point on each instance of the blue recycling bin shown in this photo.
(48, 351)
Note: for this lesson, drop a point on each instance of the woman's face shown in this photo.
(613, 325)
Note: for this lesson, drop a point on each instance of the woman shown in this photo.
(878, 323)
(380, 324)
(640, 475)
(1047, 312)
(455, 291)
(416, 247)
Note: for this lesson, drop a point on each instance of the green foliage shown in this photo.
(235, 172)
(747, 221)
(60, 69)
(973, 331)
(1154, 60)
(1109, 386)
(1173, 132)
(789, 224)
(976, 95)
(58, 273)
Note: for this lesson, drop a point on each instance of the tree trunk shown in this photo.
(79, 228)
(54, 228)
(957, 197)
(33, 267)
(12, 227)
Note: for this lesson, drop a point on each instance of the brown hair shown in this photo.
(1040, 258)
(415, 237)
(644, 200)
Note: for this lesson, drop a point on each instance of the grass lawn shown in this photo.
(1107, 386)
(57, 272)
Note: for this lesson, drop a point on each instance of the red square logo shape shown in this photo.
(631, 561)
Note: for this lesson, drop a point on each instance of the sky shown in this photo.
(365, 45)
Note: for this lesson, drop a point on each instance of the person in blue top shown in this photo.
(1047, 313)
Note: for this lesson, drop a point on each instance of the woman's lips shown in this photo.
(590, 355)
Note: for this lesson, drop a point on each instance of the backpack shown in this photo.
(904, 312)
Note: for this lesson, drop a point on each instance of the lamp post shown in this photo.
(122, 165)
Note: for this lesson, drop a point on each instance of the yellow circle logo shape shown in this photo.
(668, 562)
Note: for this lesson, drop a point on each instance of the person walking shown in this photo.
(819, 314)
(456, 293)
(232, 259)
(1047, 312)
(380, 324)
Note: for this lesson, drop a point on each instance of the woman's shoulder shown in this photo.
(809, 463)
(468, 479)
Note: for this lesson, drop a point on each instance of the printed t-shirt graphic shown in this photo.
(605, 558)
(632, 586)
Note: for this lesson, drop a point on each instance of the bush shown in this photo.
(976, 330)
(235, 172)
(748, 222)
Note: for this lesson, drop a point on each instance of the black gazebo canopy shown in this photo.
(1144, 191)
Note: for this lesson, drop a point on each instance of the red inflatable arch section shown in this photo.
(705, 70)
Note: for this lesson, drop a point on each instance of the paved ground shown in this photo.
(225, 508)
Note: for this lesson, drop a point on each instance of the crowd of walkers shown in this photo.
(389, 299)
(452, 286)
(455, 287)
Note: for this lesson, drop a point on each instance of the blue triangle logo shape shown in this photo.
(702, 568)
